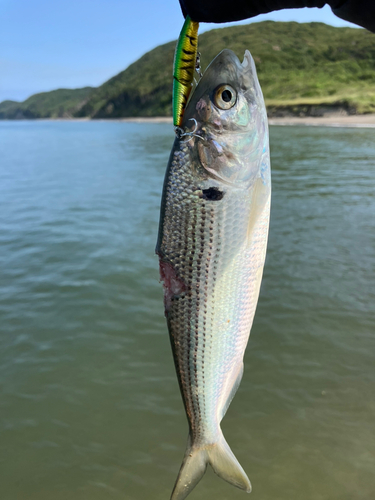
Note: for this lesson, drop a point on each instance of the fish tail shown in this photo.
(193, 467)
(226, 465)
(221, 459)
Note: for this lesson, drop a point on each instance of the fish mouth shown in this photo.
(225, 68)
(247, 59)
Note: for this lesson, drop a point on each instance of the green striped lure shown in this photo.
(183, 68)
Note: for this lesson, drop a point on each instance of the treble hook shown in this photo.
(181, 133)
(198, 68)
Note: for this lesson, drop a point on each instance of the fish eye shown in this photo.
(225, 97)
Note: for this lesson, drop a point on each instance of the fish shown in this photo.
(212, 241)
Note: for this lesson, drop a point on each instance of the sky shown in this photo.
(45, 45)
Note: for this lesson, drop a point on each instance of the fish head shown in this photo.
(227, 121)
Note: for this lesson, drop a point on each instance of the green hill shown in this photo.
(301, 68)
(61, 103)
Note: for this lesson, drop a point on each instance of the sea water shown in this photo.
(90, 407)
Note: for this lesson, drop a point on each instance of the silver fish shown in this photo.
(212, 247)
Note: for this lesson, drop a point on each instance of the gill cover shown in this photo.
(227, 111)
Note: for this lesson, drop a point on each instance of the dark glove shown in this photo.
(361, 12)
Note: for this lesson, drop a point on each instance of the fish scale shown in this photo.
(211, 245)
(188, 305)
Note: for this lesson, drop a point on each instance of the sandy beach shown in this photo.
(334, 120)
(328, 120)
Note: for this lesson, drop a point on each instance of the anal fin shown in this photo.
(232, 391)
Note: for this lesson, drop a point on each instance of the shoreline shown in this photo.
(328, 120)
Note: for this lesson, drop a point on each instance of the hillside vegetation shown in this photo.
(61, 103)
(301, 68)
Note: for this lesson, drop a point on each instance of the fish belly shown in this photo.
(212, 254)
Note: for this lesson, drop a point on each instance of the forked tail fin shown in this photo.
(221, 459)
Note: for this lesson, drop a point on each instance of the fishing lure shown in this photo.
(185, 61)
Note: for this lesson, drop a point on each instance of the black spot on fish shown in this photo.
(213, 194)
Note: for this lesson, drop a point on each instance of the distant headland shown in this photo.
(305, 70)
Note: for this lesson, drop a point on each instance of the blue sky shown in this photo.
(46, 45)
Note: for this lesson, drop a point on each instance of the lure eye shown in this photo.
(225, 97)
